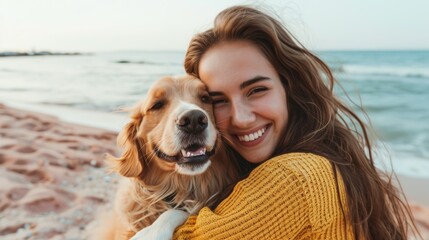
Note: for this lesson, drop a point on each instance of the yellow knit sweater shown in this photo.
(292, 196)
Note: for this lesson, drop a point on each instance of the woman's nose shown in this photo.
(242, 115)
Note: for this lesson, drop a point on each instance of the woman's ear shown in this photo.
(130, 164)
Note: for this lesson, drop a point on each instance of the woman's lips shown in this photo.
(253, 138)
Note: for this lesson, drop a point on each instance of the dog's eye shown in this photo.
(158, 105)
(206, 99)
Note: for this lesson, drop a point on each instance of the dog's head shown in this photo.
(172, 130)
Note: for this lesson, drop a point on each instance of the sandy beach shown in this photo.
(53, 181)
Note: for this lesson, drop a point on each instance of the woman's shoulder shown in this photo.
(301, 164)
(309, 173)
(294, 177)
(319, 184)
(313, 174)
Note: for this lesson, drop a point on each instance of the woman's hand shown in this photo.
(163, 228)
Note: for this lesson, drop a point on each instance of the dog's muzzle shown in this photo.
(191, 127)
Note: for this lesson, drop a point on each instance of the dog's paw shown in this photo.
(163, 228)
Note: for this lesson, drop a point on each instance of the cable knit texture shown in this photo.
(292, 196)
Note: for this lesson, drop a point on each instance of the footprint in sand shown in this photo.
(7, 143)
(17, 193)
(33, 174)
(44, 126)
(42, 200)
(26, 149)
(21, 161)
(11, 229)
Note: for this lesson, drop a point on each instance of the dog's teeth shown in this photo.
(202, 151)
(187, 154)
(198, 152)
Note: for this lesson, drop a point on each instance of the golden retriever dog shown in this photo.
(173, 158)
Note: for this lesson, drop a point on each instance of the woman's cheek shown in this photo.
(221, 118)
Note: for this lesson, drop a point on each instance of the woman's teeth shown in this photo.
(252, 136)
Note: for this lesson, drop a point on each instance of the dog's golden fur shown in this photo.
(153, 185)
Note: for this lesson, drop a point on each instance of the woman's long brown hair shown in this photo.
(318, 121)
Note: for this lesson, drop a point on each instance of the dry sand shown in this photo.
(52, 180)
(51, 176)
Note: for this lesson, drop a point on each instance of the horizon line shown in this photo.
(182, 51)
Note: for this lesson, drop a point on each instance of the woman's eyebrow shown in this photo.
(253, 80)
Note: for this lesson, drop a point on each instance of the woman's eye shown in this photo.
(257, 90)
(158, 105)
(206, 99)
(217, 102)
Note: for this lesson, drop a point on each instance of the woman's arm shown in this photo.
(292, 196)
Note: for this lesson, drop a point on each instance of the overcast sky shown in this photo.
(105, 25)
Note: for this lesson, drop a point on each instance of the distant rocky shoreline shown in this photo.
(38, 53)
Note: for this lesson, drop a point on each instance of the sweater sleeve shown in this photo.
(284, 198)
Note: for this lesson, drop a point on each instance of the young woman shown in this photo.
(314, 175)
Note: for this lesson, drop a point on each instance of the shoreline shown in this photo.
(91, 118)
(53, 181)
(38, 53)
(114, 121)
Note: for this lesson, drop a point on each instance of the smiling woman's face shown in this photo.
(248, 98)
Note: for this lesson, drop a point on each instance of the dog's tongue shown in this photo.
(198, 152)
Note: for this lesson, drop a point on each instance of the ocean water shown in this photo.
(392, 87)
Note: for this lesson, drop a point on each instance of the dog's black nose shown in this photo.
(194, 121)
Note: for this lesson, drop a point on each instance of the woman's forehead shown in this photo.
(232, 63)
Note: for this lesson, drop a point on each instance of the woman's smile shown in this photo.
(254, 137)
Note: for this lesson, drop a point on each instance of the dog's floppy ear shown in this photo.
(130, 164)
